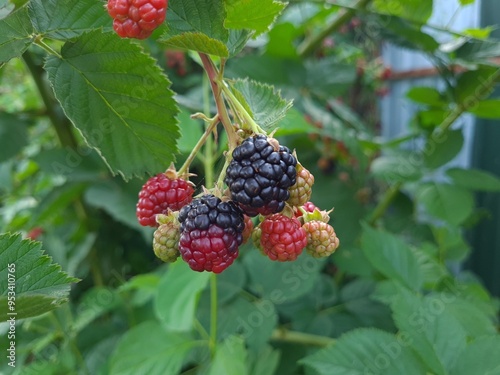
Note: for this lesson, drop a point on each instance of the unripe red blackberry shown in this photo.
(137, 18)
(161, 194)
(301, 191)
(260, 174)
(282, 238)
(211, 231)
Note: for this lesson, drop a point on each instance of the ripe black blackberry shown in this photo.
(211, 231)
(260, 174)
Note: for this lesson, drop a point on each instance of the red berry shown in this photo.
(160, 194)
(282, 238)
(34, 233)
(321, 239)
(137, 18)
(211, 231)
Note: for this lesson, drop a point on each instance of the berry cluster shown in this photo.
(263, 178)
(137, 18)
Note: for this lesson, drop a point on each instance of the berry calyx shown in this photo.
(301, 191)
(282, 238)
(260, 174)
(321, 239)
(211, 231)
(137, 18)
(308, 207)
(166, 238)
(160, 194)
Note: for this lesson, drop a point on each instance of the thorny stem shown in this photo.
(308, 46)
(213, 75)
(208, 131)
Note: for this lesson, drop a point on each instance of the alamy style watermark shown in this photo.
(11, 314)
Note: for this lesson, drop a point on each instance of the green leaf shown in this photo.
(237, 40)
(328, 77)
(414, 10)
(396, 168)
(403, 33)
(65, 19)
(294, 123)
(148, 349)
(197, 42)
(450, 203)
(16, 35)
(474, 179)
(391, 256)
(365, 351)
(7, 7)
(191, 131)
(478, 359)
(116, 202)
(119, 100)
(265, 361)
(466, 2)
(280, 282)
(39, 285)
(426, 95)
(265, 103)
(255, 15)
(489, 108)
(471, 82)
(96, 302)
(433, 332)
(197, 25)
(477, 51)
(443, 148)
(177, 296)
(13, 135)
(230, 358)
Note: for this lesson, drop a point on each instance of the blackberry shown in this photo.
(260, 175)
(211, 231)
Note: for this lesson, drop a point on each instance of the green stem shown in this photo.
(204, 138)
(301, 338)
(308, 46)
(208, 161)
(40, 43)
(213, 313)
(240, 109)
(60, 122)
(384, 203)
(213, 76)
